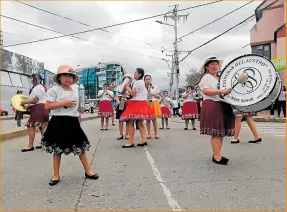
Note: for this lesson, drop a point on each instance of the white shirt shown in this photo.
(38, 91)
(165, 102)
(175, 103)
(141, 91)
(154, 91)
(106, 96)
(211, 82)
(282, 96)
(190, 97)
(58, 94)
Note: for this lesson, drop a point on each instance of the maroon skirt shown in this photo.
(216, 119)
(39, 116)
(105, 109)
(189, 111)
(165, 112)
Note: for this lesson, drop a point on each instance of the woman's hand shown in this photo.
(68, 103)
(225, 91)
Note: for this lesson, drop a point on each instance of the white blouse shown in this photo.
(154, 91)
(282, 96)
(141, 91)
(165, 102)
(190, 97)
(106, 96)
(208, 81)
(38, 91)
(58, 94)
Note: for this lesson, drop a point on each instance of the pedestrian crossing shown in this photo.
(276, 129)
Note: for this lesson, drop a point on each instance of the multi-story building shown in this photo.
(94, 77)
(268, 36)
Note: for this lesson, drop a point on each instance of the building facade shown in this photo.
(16, 70)
(93, 78)
(268, 35)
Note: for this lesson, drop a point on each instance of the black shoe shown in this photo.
(53, 182)
(28, 150)
(94, 177)
(256, 141)
(128, 146)
(185, 129)
(120, 138)
(194, 128)
(222, 161)
(38, 147)
(235, 142)
(142, 144)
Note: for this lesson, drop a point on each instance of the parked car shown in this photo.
(3, 112)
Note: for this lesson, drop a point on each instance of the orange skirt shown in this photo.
(137, 110)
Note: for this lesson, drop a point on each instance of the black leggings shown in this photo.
(283, 105)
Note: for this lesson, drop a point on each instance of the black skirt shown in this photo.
(64, 134)
(119, 112)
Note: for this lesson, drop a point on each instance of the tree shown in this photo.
(193, 77)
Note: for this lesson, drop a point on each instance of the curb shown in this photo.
(24, 132)
(269, 120)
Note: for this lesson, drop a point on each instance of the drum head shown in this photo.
(261, 79)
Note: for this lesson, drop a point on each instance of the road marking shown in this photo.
(172, 203)
(280, 135)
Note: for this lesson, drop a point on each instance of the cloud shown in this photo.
(151, 36)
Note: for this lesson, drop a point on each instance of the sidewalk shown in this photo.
(10, 130)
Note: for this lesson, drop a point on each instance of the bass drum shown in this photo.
(258, 91)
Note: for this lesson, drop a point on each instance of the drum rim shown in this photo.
(280, 89)
(251, 54)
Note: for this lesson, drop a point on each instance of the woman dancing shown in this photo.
(165, 104)
(106, 109)
(217, 118)
(64, 133)
(189, 108)
(153, 98)
(137, 109)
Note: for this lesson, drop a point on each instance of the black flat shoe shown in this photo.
(120, 138)
(94, 177)
(222, 161)
(235, 142)
(53, 182)
(142, 144)
(128, 146)
(185, 129)
(194, 128)
(27, 150)
(38, 147)
(256, 141)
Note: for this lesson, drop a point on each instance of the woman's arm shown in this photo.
(53, 105)
(131, 91)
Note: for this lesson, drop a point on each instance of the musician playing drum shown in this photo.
(189, 108)
(105, 107)
(137, 109)
(165, 104)
(153, 98)
(39, 116)
(217, 118)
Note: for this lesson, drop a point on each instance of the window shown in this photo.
(16, 80)
(25, 81)
(5, 79)
(263, 50)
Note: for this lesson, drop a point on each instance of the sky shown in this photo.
(131, 44)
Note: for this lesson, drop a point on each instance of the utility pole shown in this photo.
(175, 17)
(171, 75)
(1, 41)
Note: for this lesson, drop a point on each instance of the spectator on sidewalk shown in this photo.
(176, 107)
(282, 102)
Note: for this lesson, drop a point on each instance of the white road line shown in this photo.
(280, 135)
(172, 203)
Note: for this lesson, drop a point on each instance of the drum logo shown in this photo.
(248, 85)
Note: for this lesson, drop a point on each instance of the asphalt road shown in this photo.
(174, 172)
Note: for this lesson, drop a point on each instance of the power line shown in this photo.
(189, 52)
(110, 26)
(214, 20)
(79, 22)
(14, 19)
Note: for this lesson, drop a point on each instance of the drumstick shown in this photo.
(241, 79)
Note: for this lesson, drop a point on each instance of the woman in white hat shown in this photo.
(216, 118)
(64, 134)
